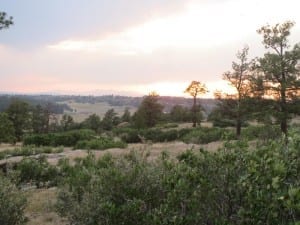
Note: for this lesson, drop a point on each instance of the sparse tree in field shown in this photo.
(19, 114)
(5, 21)
(149, 111)
(279, 70)
(234, 106)
(195, 89)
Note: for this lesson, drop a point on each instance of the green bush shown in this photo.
(109, 191)
(68, 138)
(227, 123)
(36, 171)
(235, 185)
(100, 143)
(266, 132)
(204, 135)
(128, 135)
(12, 203)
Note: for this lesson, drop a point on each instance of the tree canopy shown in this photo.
(279, 70)
(5, 21)
(194, 89)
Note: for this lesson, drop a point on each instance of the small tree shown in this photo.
(110, 120)
(126, 117)
(149, 112)
(179, 113)
(234, 106)
(19, 114)
(93, 122)
(194, 89)
(7, 131)
(67, 122)
(280, 70)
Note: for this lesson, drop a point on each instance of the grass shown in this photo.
(84, 110)
(40, 208)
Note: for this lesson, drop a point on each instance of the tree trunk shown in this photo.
(194, 113)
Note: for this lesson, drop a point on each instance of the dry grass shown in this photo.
(84, 110)
(40, 209)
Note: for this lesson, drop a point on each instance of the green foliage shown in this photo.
(110, 120)
(7, 131)
(266, 132)
(279, 70)
(180, 114)
(236, 185)
(67, 122)
(36, 171)
(19, 114)
(100, 143)
(128, 135)
(28, 151)
(149, 112)
(68, 138)
(132, 135)
(204, 135)
(93, 122)
(40, 119)
(12, 203)
(126, 117)
(108, 191)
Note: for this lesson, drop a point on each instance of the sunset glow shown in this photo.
(140, 50)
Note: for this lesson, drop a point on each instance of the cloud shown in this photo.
(40, 22)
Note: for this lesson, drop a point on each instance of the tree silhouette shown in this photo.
(4, 21)
(149, 111)
(280, 70)
(194, 89)
(234, 106)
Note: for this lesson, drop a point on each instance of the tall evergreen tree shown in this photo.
(279, 70)
(234, 106)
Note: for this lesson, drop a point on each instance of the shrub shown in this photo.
(235, 185)
(100, 143)
(108, 191)
(69, 138)
(12, 203)
(128, 135)
(36, 171)
(204, 135)
(266, 132)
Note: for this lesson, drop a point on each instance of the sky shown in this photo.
(131, 47)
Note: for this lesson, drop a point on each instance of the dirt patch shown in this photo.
(41, 207)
